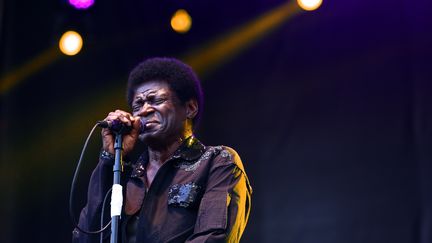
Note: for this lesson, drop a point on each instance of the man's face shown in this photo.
(161, 110)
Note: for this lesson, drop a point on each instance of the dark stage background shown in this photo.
(330, 112)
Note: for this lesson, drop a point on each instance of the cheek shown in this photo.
(167, 119)
(172, 117)
(174, 122)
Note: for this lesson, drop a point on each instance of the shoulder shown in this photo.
(229, 159)
(224, 155)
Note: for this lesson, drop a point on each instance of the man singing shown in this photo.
(178, 190)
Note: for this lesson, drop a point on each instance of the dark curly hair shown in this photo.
(179, 76)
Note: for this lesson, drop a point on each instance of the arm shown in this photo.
(100, 183)
(102, 177)
(225, 206)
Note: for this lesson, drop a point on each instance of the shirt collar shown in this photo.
(190, 150)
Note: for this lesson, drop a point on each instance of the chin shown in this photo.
(150, 137)
(141, 137)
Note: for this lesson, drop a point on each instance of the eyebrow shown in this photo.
(144, 96)
(147, 92)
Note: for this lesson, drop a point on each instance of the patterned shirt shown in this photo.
(200, 194)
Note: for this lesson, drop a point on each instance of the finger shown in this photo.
(113, 117)
(125, 117)
(119, 117)
(124, 113)
(119, 113)
(106, 132)
(136, 124)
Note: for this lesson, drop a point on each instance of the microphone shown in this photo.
(119, 127)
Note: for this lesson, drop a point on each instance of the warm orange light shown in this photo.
(224, 48)
(309, 5)
(181, 21)
(70, 43)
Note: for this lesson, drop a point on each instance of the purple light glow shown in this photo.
(81, 4)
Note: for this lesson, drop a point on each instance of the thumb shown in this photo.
(136, 123)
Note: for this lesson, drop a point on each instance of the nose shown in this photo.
(146, 110)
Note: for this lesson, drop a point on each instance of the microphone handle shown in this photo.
(119, 127)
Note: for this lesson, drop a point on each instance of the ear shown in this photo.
(191, 108)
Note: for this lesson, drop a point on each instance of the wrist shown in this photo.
(104, 154)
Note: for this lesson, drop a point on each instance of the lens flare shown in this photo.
(181, 21)
(70, 43)
(309, 5)
(81, 4)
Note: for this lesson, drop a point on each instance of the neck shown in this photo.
(159, 154)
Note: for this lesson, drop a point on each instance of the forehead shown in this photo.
(152, 88)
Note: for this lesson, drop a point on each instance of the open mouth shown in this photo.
(150, 124)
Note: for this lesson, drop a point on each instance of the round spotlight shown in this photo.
(70, 43)
(81, 4)
(181, 21)
(309, 5)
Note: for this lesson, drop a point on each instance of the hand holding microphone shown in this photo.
(120, 127)
(120, 121)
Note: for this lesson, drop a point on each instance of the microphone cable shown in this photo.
(102, 215)
(71, 196)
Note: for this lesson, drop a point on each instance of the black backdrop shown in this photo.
(330, 112)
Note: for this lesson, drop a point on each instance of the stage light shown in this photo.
(309, 5)
(81, 4)
(181, 21)
(70, 43)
